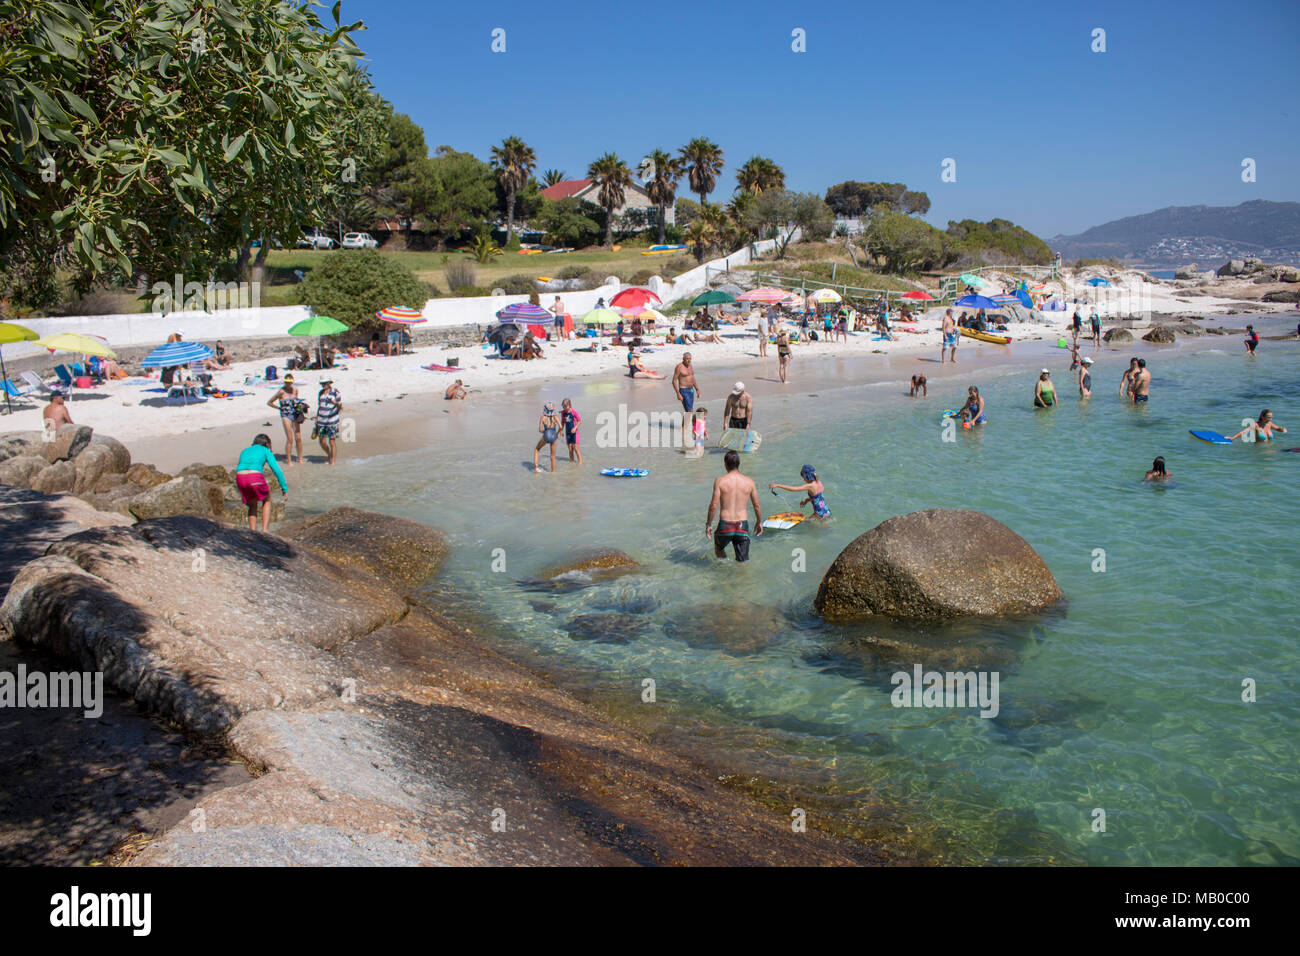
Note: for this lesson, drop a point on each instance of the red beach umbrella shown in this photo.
(918, 295)
(632, 298)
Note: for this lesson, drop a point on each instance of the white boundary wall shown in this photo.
(148, 328)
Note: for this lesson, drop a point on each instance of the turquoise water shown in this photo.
(1127, 699)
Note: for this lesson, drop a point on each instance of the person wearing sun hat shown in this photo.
(1085, 378)
(739, 410)
(549, 427)
(329, 408)
(1044, 391)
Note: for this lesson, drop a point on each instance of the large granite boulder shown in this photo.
(67, 442)
(1161, 335)
(935, 565)
(1281, 295)
(31, 521)
(198, 621)
(119, 456)
(21, 470)
(1286, 273)
(213, 473)
(400, 552)
(186, 495)
(1186, 272)
(146, 476)
(1233, 267)
(55, 478)
(1117, 336)
(14, 444)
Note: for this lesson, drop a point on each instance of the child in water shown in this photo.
(814, 489)
(571, 419)
(699, 432)
(1157, 472)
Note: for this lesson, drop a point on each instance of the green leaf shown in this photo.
(235, 146)
(79, 105)
(27, 134)
(288, 133)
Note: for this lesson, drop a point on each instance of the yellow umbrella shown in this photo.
(11, 332)
(76, 342)
(825, 295)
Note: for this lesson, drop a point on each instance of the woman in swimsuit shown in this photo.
(549, 426)
(973, 413)
(1158, 472)
(1044, 391)
(783, 352)
(812, 487)
(292, 416)
(1263, 429)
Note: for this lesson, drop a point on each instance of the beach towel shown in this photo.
(441, 368)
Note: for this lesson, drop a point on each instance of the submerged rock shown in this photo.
(938, 564)
(599, 559)
(1161, 335)
(399, 552)
(1117, 336)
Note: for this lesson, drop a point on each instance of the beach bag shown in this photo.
(269, 374)
(300, 410)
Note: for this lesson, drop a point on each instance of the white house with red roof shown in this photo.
(635, 197)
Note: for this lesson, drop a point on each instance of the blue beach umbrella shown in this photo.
(1024, 298)
(1096, 282)
(176, 353)
(976, 302)
(523, 312)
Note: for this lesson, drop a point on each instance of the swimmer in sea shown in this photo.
(549, 426)
(1260, 430)
(1140, 387)
(1126, 383)
(1158, 472)
(1085, 379)
(812, 487)
(1044, 391)
(733, 494)
(972, 412)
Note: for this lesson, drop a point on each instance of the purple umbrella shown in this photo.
(518, 312)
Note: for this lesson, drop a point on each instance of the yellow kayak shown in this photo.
(986, 337)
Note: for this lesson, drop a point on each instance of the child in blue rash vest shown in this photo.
(251, 482)
(812, 487)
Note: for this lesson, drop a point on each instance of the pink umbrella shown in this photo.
(765, 294)
(633, 297)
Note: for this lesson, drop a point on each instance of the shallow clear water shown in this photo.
(1126, 700)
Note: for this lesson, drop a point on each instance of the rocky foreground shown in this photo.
(377, 732)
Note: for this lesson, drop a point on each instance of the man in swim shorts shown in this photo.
(733, 493)
(739, 410)
(1141, 387)
(684, 386)
(949, 338)
(557, 310)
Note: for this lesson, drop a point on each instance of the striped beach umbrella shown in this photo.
(176, 353)
(764, 294)
(633, 297)
(400, 313)
(1007, 299)
(523, 312)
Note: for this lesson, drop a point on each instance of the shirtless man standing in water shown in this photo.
(733, 493)
(739, 409)
(684, 386)
(1141, 387)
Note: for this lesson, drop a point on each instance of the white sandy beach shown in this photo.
(130, 412)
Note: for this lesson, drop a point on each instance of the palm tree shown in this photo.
(552, 176)
(759, 175)
(612, 175)
(514, 161)
(661, 170)
(703, 161)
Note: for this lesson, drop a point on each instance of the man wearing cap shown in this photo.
(55, 413)
(1085, 379)
(685, 387)
(739, 410)
(329, 408)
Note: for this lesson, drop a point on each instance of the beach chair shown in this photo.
(184, 395)
(65, 376)
(78, 370)
(13, 390)
(34, 380)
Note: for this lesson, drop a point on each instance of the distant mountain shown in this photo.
(1181, 234)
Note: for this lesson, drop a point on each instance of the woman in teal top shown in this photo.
(252, 482)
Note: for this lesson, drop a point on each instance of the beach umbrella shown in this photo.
(602, 317)
(1024, 298)
(765, 294)
(1007, 299)
(918, 296)
(176, 353)
(318, 326)
(632, 297)
(10, 333)
(76, 342)
(976, 302)
(712, 297)
(400, 314)
(523, 312)
(1097, 282)
(971, 279)
(824, 295)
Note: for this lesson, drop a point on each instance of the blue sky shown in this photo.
(1044, 131)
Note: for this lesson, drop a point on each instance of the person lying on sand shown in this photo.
(675, 339)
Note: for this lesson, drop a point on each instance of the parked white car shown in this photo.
(360, 240)
(316, 241)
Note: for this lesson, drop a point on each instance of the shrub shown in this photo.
(516, 284)
(573, 272)
(470, 291)
(642, 277)
(677, 265)
(352, 285)
(459, 272)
